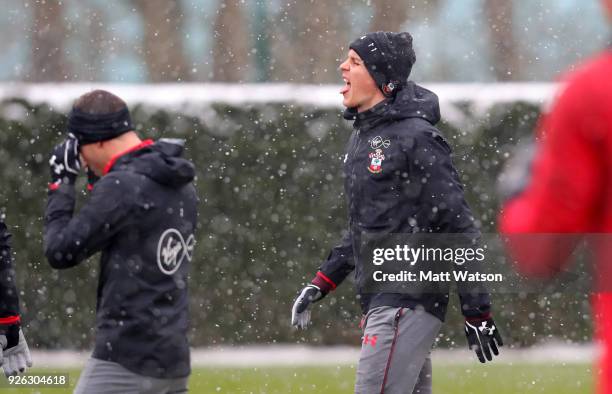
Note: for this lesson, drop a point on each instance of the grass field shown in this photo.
(448, 379)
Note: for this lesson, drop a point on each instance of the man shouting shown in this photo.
(141, 215)
(398, 179)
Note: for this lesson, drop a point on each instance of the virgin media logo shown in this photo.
(173, 249)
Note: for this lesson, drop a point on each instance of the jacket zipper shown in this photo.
(353, 180)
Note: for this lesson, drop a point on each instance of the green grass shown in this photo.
(448, 379)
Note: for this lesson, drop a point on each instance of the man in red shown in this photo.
(570, 190)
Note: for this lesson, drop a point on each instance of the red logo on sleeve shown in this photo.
(370, 339)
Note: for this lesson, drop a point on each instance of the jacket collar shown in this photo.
(114, 159)
(412, 101)
(369, 119)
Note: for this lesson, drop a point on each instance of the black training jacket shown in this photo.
(142, 216)
(9, 298)
(399, 178)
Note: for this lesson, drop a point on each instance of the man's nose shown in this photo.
(343, 66)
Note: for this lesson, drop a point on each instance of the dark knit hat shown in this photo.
(389, 58)
(98, 116)
(90, 128)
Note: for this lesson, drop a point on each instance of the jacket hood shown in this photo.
(413, 101)
(160, 161)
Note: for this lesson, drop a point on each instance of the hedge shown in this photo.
(269, 178)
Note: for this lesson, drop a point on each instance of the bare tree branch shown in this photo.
(389, 15)
(231, 46)
(505, 59)
(163, 41)
(96, 43)
(314, 40)
(48, 39)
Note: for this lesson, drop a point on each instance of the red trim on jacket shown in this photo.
(479, 318)
(114, 159)
(10, 320)
(323, 282)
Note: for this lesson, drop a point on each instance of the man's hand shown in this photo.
(15, 355)
(300, 314)
(483, 337)
(64, 163)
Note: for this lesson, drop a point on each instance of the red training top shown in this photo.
(570, 192)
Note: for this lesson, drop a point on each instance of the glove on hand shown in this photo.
(64, 163)
(483, 337)
(300, 314)
(14, 352)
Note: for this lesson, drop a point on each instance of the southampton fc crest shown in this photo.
(376, 159)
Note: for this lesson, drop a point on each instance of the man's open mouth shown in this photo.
(346, 87)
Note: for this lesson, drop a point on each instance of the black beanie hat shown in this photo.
(389, 58)
(90, 128)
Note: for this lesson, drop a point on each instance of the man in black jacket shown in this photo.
(399, 179)
(141, 215)
(14, 352)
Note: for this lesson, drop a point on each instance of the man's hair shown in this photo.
(99, 102)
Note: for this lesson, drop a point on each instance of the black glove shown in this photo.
(483, 337)
(64, 163)
(92, 178)
(300, 315)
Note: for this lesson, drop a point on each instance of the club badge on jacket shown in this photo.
(376, 159)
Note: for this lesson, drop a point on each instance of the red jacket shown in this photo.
(570, 191)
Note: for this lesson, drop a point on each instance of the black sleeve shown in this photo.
(339, 264)
(71, 239)
(9, 298)
(430, 159)
(474, 304)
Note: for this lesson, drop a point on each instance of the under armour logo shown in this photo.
(173, 249)
(486, 330)
(370, 339)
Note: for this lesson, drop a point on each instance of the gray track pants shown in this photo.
(395, 351)
(105, 377)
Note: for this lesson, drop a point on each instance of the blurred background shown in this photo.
(289, 41)
(268, 144)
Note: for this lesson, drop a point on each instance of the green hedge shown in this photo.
(269, 178)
